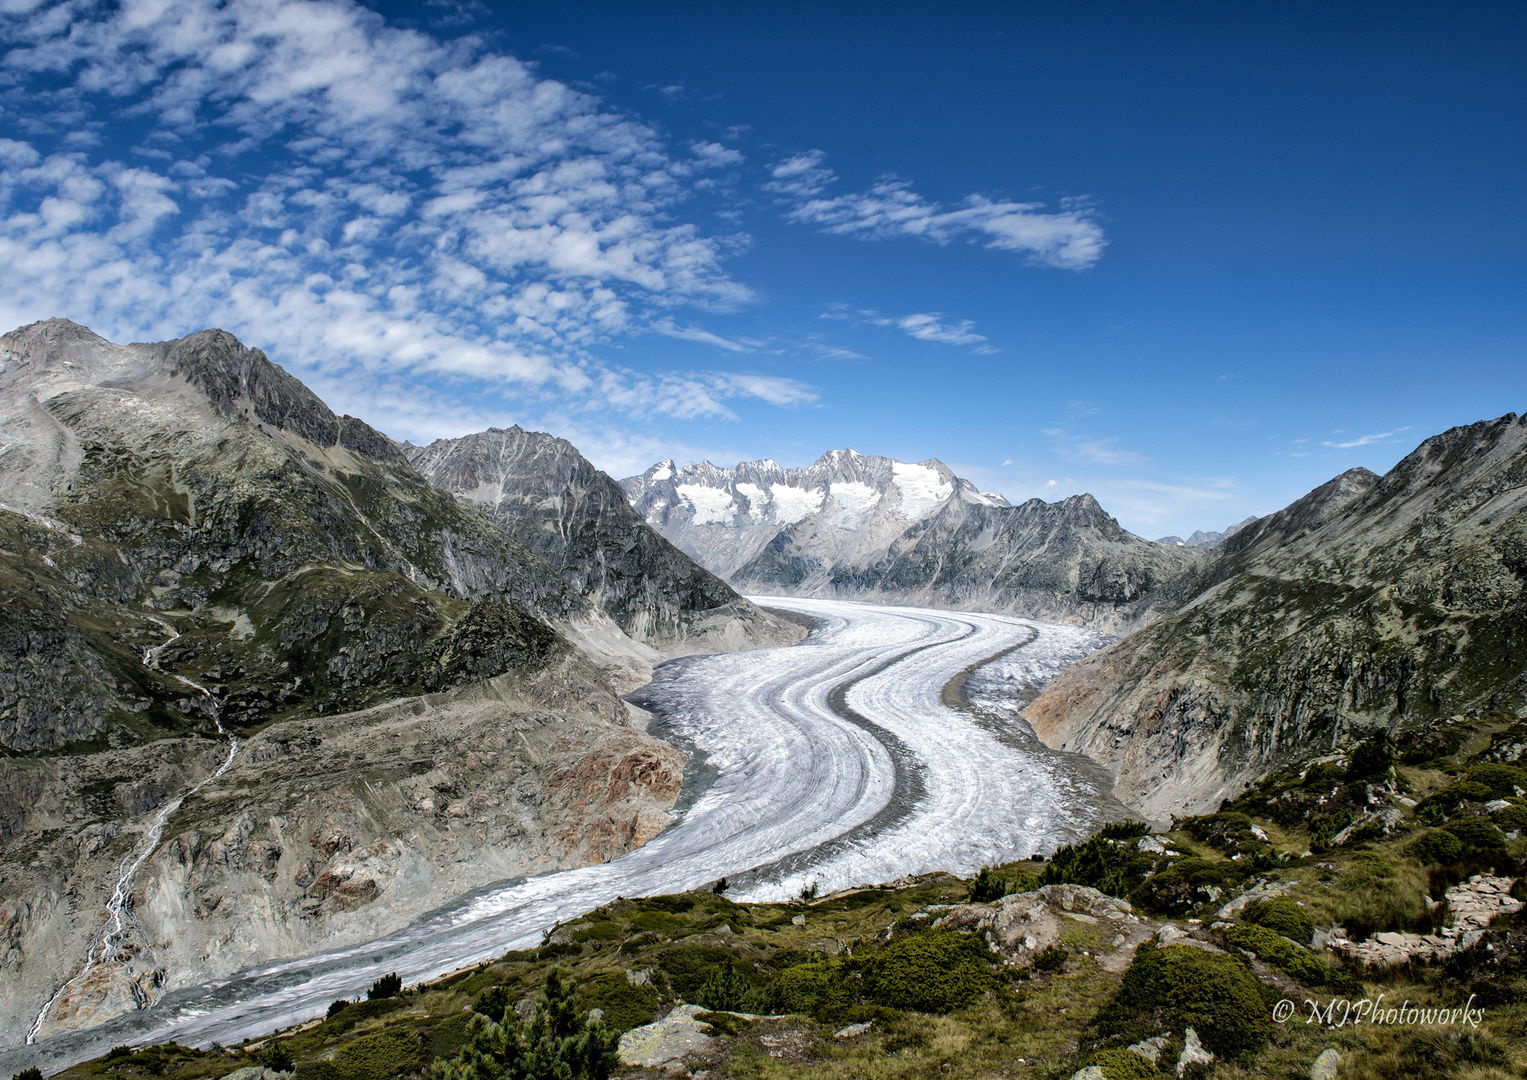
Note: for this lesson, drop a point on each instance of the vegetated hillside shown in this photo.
(193, 547)
(1102, 958)
(855, 526)
(548, 497)
(1372, 602)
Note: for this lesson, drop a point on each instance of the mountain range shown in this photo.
(856, 526)
(420, 650)
(1372, 603)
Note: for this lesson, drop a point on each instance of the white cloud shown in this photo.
(931, 327)
(367, 203)
(924, 326)
(1069, 239)
(1364, 440)
(668, 328)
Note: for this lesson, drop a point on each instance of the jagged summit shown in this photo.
(859, 525)
(546, 495)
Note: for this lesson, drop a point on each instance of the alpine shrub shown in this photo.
(1282, 916)
(554, 1044)
(1502, 780)
(1476, 832)
(1177, 987)
(817, 990)
(934, 972)
(1372, 759)
(1436, 846)
(986, 888)
(1290, 959)
(385, 987)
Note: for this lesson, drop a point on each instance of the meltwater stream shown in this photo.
(834, 761)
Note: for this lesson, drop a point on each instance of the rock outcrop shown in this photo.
(1020, 926)
(853, 526)
(1372, 602)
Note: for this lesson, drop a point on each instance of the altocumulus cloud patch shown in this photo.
(374, 205)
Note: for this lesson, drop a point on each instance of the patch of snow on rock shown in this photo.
(923, 490)
(791, 504)
(711, 505)
(856, 501)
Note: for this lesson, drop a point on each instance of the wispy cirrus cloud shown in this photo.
(924, 326)
(369, 203)
(1068, 239)
(1366, 440)
(932, 327)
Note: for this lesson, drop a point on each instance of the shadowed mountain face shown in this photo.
(546, 496)
(853, 526)
(193, 549)
(1372, 602)
(308, 566)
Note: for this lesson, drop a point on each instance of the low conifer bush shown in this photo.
(1179, 986)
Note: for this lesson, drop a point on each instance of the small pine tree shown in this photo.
(987, 888)
(554, 1044)
(278, 1057)
(809, 892)
(385, 987)
(32, 1073)
(725, 990)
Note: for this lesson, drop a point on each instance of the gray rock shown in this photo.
(1150, 1049)
(1325, 1064)
(853, 1031)
(1193, 1052)
(656, 1045)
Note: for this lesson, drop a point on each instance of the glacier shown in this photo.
(838, 761)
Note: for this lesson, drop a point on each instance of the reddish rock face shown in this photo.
(614, 798)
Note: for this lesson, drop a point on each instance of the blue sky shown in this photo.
(1195, 259)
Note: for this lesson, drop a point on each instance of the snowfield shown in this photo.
(836, 761)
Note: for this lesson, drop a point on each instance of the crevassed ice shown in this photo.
(712, 506)
(922, 489)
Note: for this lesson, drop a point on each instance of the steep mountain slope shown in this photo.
(873, 528)
(194, 548)
(1372, 602)
(546, 496)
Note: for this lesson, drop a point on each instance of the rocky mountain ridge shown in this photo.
(1370, 603)
(546, 496)
(855, 526)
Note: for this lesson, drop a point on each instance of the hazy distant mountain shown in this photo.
(1372, 602)
(870, 527)
(1206, 539)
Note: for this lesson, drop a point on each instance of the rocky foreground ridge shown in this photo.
(1274, 939)
(195, 554)
(1371, 603)
(854, 526)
